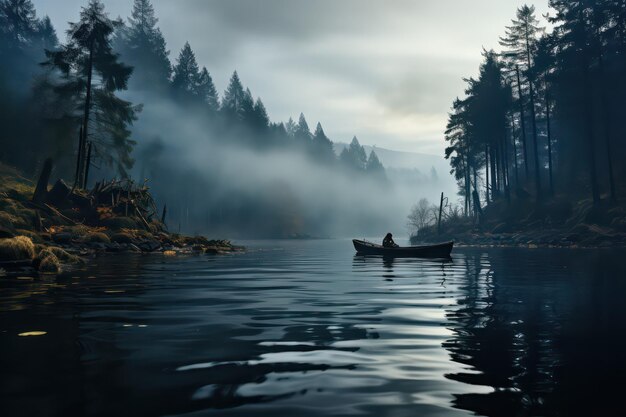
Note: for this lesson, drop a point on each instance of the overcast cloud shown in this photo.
(386, 71)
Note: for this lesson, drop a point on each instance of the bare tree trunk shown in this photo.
(78, 157)
(464, 165)
(514, 152)
(535, 145)
(85, 130)
(593, 177)
(87, 164)
(548, 129)
(487, 174)
(605, 108)
(607, 130)
(494, 175)
(531, 90)
(522, 120)
(505, 153)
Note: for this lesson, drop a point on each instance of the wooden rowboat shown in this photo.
(439, 250)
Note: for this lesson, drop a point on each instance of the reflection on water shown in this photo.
(309, 329)
(545, 329)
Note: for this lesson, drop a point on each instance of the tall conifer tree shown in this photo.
(91, 74)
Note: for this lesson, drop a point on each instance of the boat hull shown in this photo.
(440, 250)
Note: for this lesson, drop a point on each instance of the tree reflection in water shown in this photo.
(544, 329)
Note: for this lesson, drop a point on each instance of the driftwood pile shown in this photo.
(106, 200)
(44, 229)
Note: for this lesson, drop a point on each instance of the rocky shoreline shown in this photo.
(534, 239)
(555, 224)
(46, 230)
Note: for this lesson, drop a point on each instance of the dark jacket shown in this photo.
(388, 242)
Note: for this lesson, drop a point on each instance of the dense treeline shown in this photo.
(71, 100)
(543, 117)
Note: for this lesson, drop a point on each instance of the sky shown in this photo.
(385, 71)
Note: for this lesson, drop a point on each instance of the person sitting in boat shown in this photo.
(388, 241)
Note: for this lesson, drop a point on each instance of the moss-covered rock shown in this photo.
(8, 220)
(65, 256)
(122, 238)
(47, 262)
(119, 223)
(97, 237)
(17, 249)
(78, 232)
(34, 236)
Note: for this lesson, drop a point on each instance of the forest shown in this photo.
(543, 120)
(109, 102)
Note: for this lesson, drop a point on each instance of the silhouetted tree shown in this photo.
(322, 146)
(247, 107)
(186, 74)
(521, 43)
(233, 99)
(261, 120)
(19, 20)
(374, 167)
(47, 34)
(143, 46)
(105, 117)
(206, 91)
(545, 62)
(302, 133)
(354, 156)
(290, 127)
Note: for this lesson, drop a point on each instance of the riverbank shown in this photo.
(521, 223)
(45, 229)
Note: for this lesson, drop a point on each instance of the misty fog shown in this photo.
(214, 183)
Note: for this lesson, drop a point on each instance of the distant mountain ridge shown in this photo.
(404, 160)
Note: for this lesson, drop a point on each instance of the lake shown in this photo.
(306, 328)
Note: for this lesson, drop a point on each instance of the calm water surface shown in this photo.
(307, 328)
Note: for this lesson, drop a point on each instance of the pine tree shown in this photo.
(206, 91)
(47, 35)
(462, 152)
(233, 99)
(290, 128)
(521, 43)
(20, 22)
(19, 48)
(354, 156)
(322, 146)
(545, 66)
(575, 86)
(261, 120)
(247, 107)
(186, 74)
(105, 117)
(374, 167)
(143, 47)
(302, 133)
(20, 52)
(477, 133)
